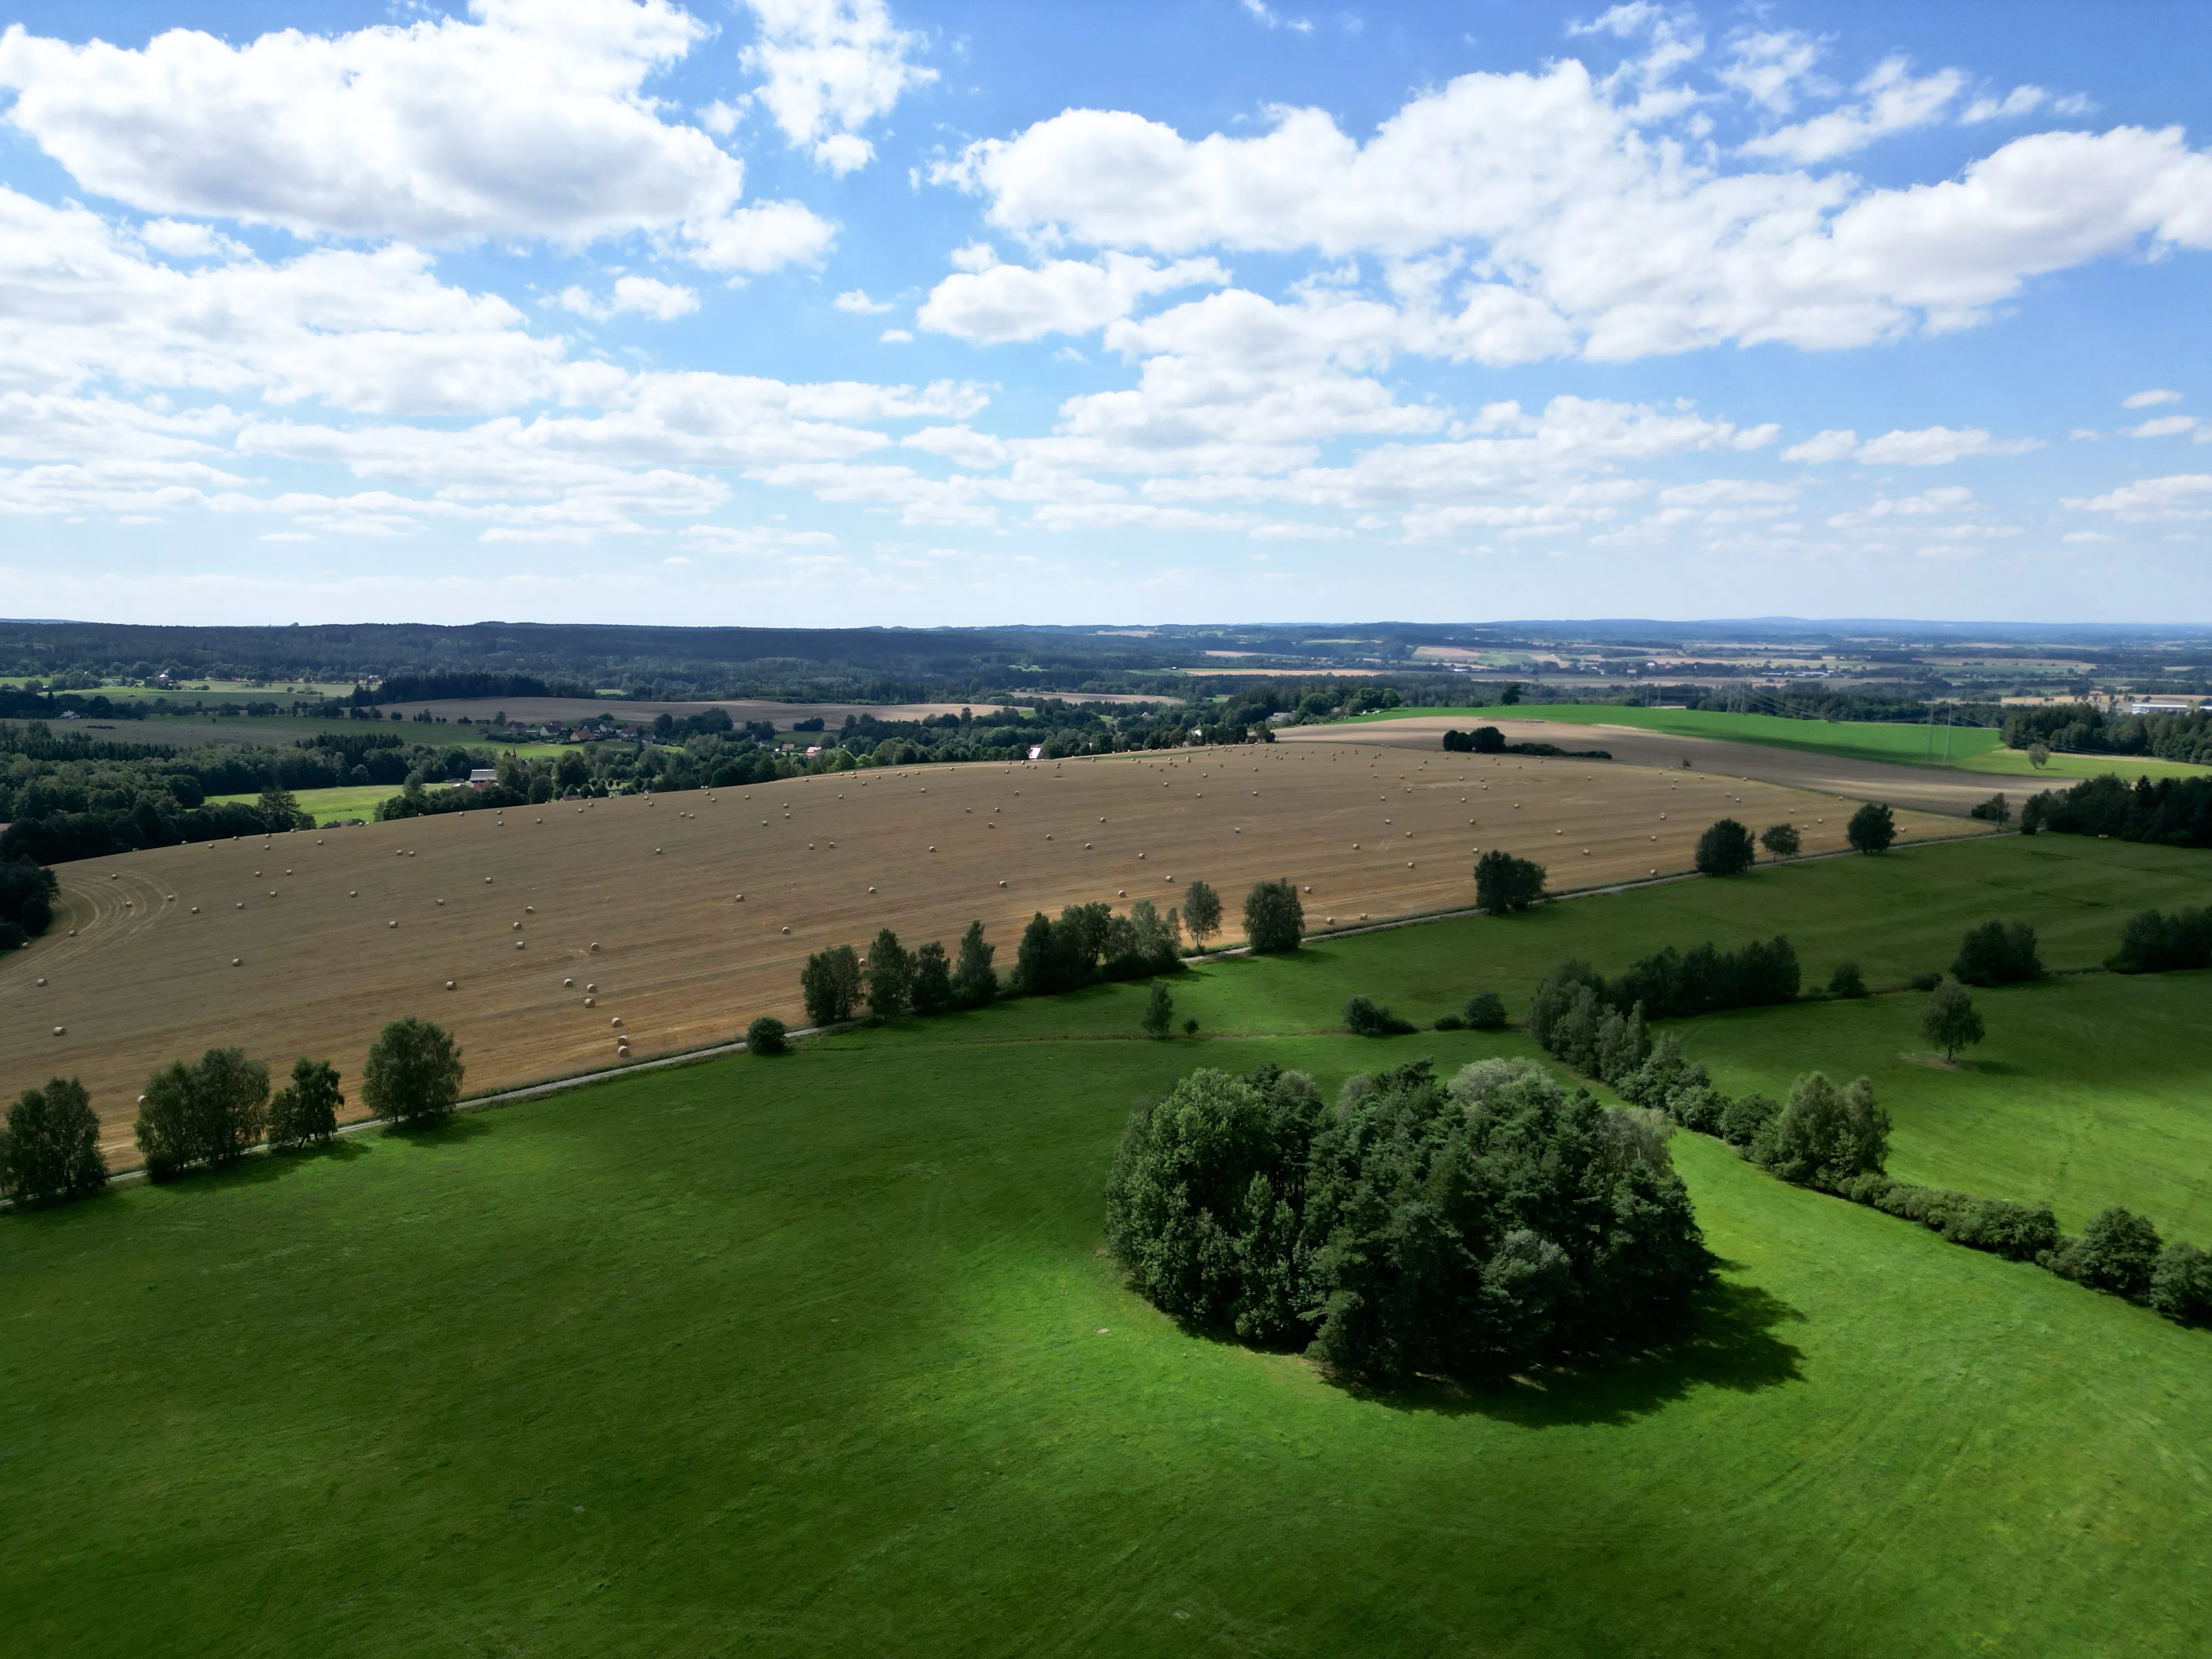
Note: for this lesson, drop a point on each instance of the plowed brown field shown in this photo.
(307, 943)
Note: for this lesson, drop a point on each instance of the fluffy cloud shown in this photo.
(2183, 496)
(526, 121)
(663, 301)
(1935, 445)
(1000, 302)
(1564, 192)
(2165, 426)
(2149, 399)
(1892, 102)
(831, 67)
(1772, 67)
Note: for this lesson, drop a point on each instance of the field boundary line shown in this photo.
(135, 1174)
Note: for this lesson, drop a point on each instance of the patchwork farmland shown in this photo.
(672, 920)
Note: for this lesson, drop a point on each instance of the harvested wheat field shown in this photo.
(672, 920)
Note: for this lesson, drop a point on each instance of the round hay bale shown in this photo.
(236, 961)
(391, 923)
(566, 982)
(486, 881)
(353, 892)
(590, 1002)
(520, 944)
(616, 1020)
(196, 909)
(516, 926)
(449, 985)
(871, 889)
(58, 1030)
(42, 979)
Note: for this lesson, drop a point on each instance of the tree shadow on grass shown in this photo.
(447, 1131)
(1729, 1343)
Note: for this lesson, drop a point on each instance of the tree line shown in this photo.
(1087, 943)
(2171, 811)
(2083, 728)
(1469, 1229)
(212, 1113)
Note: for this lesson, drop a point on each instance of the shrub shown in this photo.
(307, 1110)
(889, 977)
(1364, 1017)
(1950, 1021)
(1995, 809)
(767, 1035)
(1780, 840)
(1925, 981)
(1190, 1026)
(1484, 1011)
(1825, 1135)
(974, 981)
(1744, 1122)
(829, 985)
(2181, 1284)
(1448, 1023)
(1998, 953)
(2155, 944)
(933, 980)
(413, 1073)
(1725, 849)
(1873, 828)
(1470, 1231)
(50, 1148)
(1274, 920)
(1158, 1018)
(1846, 980)
(1504, 883)
(2118, 1251)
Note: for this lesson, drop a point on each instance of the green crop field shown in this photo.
(348, 800)
(1976, 749)
(822, 1354)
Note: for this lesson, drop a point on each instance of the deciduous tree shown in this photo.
(1274, 920)
(1873, 828)
(1780, 840)
(1950, 1021)
(307, 1110)
(889, 977)
(413, 1074)
(1725, 849)
(1201, 912)
(50, 1148)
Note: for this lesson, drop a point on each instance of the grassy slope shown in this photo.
(350, 800)
(806, 1356)
(1970, 749)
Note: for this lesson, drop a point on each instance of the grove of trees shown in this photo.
(1467, 1228)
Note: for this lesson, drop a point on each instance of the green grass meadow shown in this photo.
(821, 1355)
(1973, 749)
(348, 800)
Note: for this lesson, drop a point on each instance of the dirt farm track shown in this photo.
(683, 917)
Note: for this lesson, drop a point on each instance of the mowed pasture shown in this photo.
(682, 916)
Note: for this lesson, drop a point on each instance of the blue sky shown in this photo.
(832, 311)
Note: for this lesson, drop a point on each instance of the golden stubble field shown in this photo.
(684, 916)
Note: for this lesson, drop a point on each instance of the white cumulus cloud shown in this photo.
(663, 301)
(2182, 495)
(2149, 399)
(1893, 101)
(1573, 200)
(1004, 302)
(526, 120)
(831, 67)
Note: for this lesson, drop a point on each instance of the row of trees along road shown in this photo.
(211, 1114)
(1086, 943)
